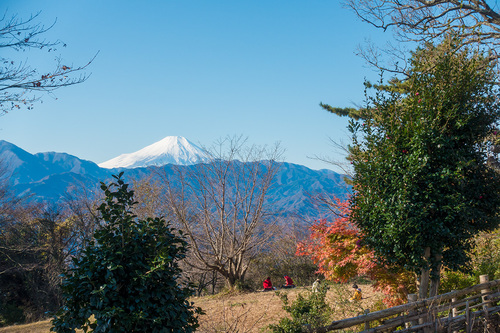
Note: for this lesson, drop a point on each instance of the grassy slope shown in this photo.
(248, 312)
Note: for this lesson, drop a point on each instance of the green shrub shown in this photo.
(127, 278)
(452, 280)
(310, 310)
(485, 257)
(11, 314)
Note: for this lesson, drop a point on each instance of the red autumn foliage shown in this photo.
(337, 248)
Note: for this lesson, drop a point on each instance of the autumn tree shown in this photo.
(222, 206)
(422, 188)
(337, 247)
(21, 84)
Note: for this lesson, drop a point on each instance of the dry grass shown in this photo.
(248, 312)
(38, 327)
(251, 312)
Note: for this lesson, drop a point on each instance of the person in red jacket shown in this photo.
(268, 285)
(288, 282)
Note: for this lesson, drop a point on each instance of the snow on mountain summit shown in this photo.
(170, 150)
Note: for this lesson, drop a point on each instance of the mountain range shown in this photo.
(49, 176)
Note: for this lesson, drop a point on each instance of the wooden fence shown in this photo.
(472, 309)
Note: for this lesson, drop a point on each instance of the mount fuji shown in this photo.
(54, 177)
(169, 150)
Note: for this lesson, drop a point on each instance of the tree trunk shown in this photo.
(423, 285)
(436, 276)
(231, 279)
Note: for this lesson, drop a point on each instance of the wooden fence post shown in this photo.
(484, 292)
(454, 312)
(468, 329)
(484, 298)
(367, 323)
(464, 304)
(412, 298)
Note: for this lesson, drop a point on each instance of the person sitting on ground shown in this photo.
(357, 294)
(315, 286)
(288, 282)
(268, 285)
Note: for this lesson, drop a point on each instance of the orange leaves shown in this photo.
(337, 248)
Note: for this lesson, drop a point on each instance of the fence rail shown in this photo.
(460, 310)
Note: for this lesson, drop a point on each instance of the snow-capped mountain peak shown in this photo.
(169, 150)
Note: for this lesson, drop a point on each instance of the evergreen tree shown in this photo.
(127, 279)
(422, 185)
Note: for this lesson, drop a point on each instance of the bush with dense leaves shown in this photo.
(306, 311)
(127, 278)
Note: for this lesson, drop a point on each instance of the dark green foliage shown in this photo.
(127, 279)
(421, 178)
(11, 314)
(32, 250)
(350, 112)
(306, 311)
(26, 295)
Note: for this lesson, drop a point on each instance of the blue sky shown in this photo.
(195, 68)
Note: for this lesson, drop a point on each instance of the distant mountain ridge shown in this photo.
(49, 176)
(170, 150)
(23, 167)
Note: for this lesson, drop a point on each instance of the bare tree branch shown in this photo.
(20, 84)
(474, 22)
(221, 206)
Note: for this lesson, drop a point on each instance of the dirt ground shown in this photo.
(251, 312)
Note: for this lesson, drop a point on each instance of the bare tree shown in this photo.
(20, 84)
(80, 205)
(148, 194)
(221, 206)
(424, 20)
(10, 212)
(474, 22)
(35, 246)
(9, 202)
